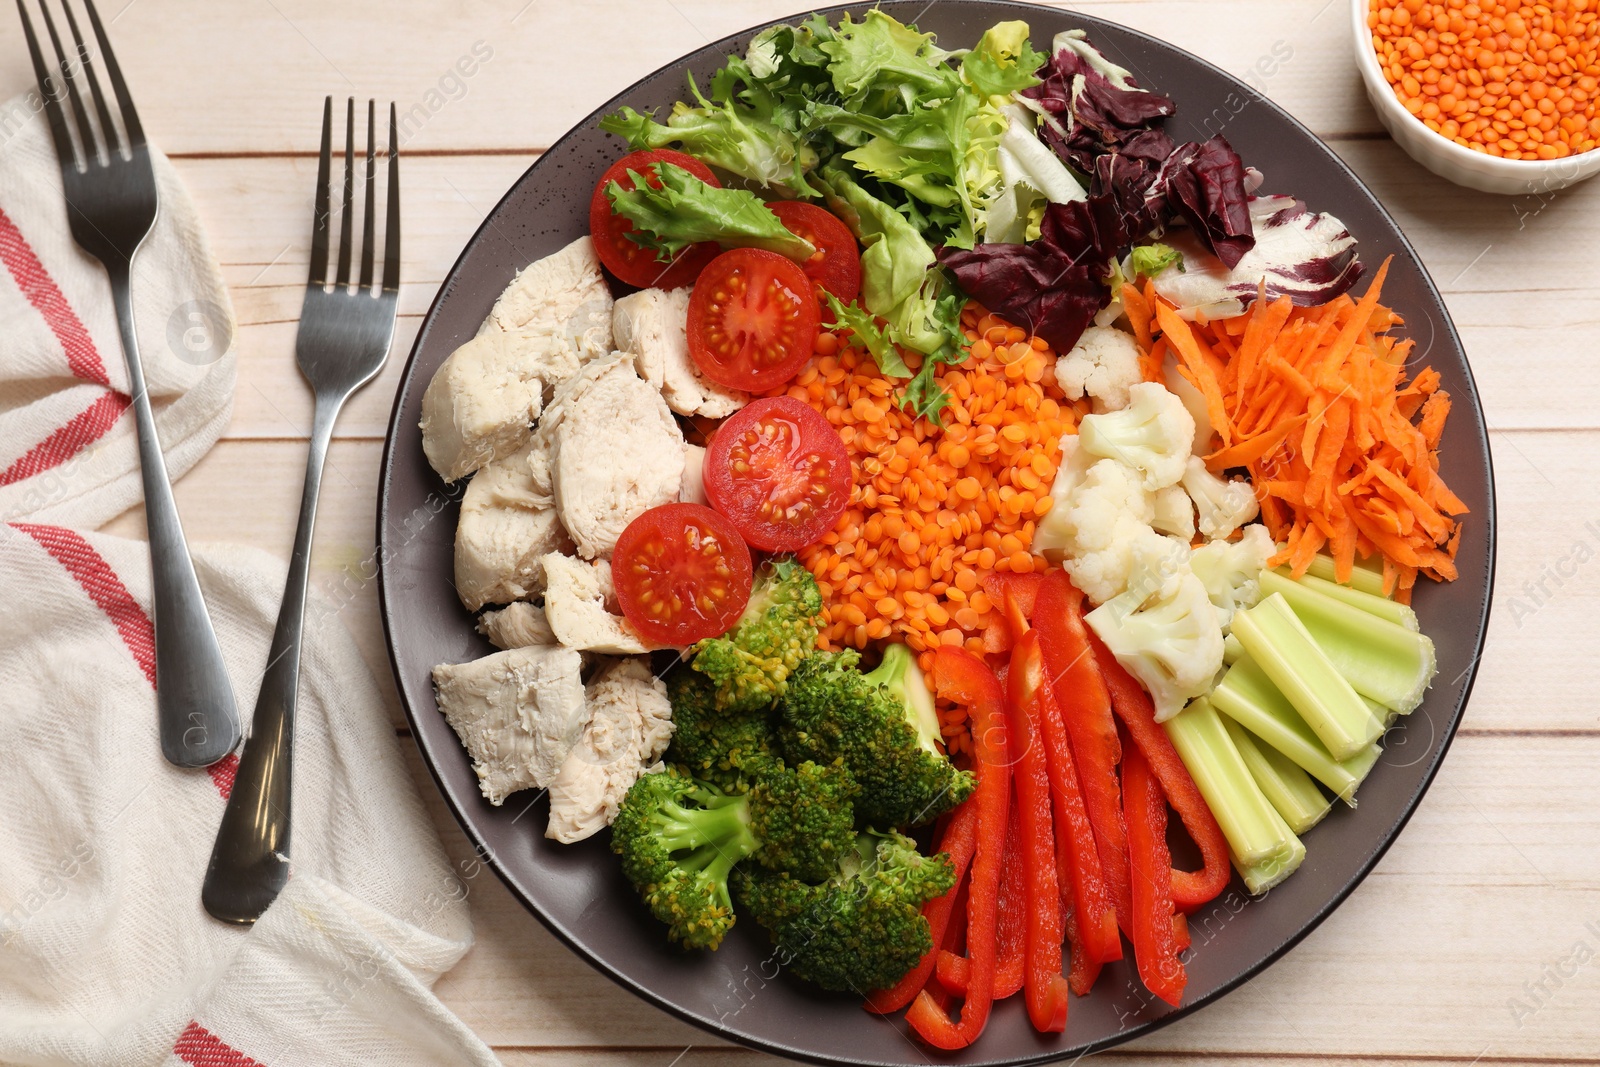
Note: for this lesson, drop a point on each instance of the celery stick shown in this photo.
(1231, 649)
(1363, 578)
(1262, 876)
(1242, 810)
(1248, 696)
(1280, 643)
(1381, 606)
(1380, 659)
(1290, 789)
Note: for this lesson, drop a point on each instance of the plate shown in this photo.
(738, 992)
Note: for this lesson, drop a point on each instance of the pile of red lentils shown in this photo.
(1517, 81)
(935, 508)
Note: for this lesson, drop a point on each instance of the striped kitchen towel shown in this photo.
(106, 956)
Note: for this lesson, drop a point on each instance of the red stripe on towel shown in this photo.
(199, 1047)
(42, 292)
(90, 570)
(222, 773)
(82, 430)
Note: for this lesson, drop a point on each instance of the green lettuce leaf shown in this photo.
(1004, 62)
(894, 256)
(1151, 259)
(871, 336)
(686, 211)
(733, 131)
(879, 55)
(929, 321)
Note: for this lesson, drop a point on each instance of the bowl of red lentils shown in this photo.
(1502, 97)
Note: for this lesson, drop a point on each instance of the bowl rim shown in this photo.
(1381, 93)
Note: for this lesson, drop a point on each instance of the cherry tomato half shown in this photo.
(837, 263)
(752, 319)
(682, 574)
(779, 472)
(622, 257)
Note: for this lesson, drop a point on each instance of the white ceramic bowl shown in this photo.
(1476, 170)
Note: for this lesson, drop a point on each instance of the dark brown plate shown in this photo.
(738, 992)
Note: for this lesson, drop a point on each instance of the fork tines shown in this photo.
(91, 138)
(322, 217)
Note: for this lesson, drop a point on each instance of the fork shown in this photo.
(343, 340)
(111, 205)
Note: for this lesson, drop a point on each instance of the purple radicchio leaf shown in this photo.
(1032, 286)
(1053, 287)
(1204, 183)
(1306, 256)
(1086, 115)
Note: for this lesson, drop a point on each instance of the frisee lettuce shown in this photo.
(726, 131)
(685, 210)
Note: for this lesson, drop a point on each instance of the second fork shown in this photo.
(343, 340)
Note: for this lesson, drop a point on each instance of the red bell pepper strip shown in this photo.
(962, 677)
(1085, 705)
(1044, 984)
(1023, 588)
(1155, 944)
(1012, 931)
(1084, 970)
(960, 840)
(1190, 889)
(1083, 882)
(955, 937)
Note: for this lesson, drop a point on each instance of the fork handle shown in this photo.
(250, 860)
(194, 699)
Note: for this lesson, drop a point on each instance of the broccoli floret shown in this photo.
(751, 663)
(881, 726)
(724, 748)
(863, 928)
(680, 838)
(803, 815)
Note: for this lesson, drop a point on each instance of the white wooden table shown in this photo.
(1476, 940)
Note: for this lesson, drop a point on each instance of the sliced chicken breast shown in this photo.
(518, 713)
(652, 325)
(630, 724)
(480, 406)
(615, 453)
(503, 531)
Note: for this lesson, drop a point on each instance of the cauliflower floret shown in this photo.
(1107, 536)
(1052, 537)
(1231, 571)
(1224, 506)
(1174, 512)
(1104, 363)
(1153, 434)
(1173, 645)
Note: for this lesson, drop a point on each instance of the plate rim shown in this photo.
(488, 856)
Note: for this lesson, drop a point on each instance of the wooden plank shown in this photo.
(1488, 884)
(249, 493)
(250, 82)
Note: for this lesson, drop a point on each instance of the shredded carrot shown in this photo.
(934, 510)
(1341, 448)
(1139, 315)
